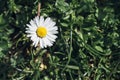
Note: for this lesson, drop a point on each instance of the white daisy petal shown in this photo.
(52, 32)
(44, 42)
(42, 31)
(33, 43)
(47, 41)
(37, 41)
(33, 24)
(29, 25)
(30, 32)
(51, 25)
(46, 22)
(30, 35)
(41, 43)
(51, 37)
(53, 29)
(33, 38)
(41, 20)
(37, 21)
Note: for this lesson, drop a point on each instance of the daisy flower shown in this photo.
(42, 31)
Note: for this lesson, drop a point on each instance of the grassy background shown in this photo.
(87, 47)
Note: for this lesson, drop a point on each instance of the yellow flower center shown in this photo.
(41, 32)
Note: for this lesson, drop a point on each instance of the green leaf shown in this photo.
(99, 48)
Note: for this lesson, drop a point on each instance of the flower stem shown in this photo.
(39, 6)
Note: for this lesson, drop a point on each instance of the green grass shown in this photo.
(87, 47)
